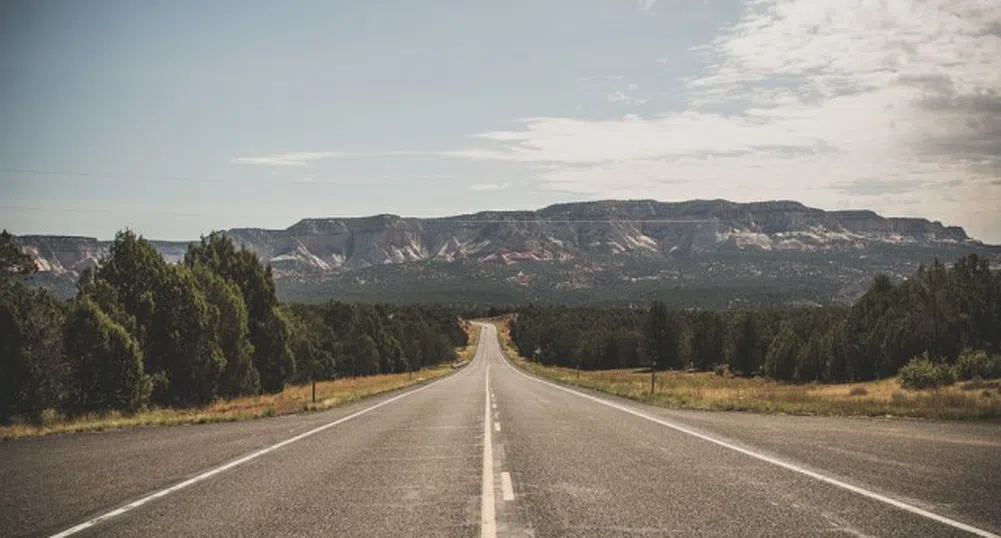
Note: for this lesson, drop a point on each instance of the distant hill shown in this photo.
(708, 253)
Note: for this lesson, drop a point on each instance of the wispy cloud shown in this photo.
(292, 159)
(489, 186)
(600, 78)
(618, 97)
(307, 158)
(809, 100)
(646, 5)
(621, 98)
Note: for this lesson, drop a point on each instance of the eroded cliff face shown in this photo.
(70, 255)
(587, 234)
(585, 230)
(62, 254)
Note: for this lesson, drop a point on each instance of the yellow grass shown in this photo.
(466, 353)
(294, 399)
(707, 391)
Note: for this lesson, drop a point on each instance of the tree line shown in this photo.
(143, 332)
(937, 314)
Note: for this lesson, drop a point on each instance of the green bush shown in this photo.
(974, 364)
(923, 373)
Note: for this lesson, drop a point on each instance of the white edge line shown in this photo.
(488, 516)
(506, 488)
(775, 461)
(227, 466)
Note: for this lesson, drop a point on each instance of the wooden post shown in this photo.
(314, 391)
(652, 378)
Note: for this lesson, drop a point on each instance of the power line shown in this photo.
(457, 219)
(107, 176)
(100, 210)
(100, 176)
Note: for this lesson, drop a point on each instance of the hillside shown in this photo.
(778, 252)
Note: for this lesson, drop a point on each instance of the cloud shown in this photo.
(600, 78)
(293, 159)
(892, 105)
(646, 5)
(483, 187)
(618, 97)
(307, 158)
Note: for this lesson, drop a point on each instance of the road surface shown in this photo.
(490, 451)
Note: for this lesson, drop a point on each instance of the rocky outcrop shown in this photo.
(70, 255)
(586, 231)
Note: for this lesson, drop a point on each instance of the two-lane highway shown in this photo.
(491, 451)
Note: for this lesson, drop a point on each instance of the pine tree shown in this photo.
(107, 362)
(13, 262)
(780, 362)
(228, 322)
(745, 347)
(660, 338)
(33, 373)
(268, 328)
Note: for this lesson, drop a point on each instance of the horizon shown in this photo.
(459, 215)
(185, 117)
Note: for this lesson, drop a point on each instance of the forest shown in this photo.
(943, 322)
(141, 332)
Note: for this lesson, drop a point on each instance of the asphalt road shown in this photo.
(491, 451)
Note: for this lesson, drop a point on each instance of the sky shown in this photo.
(178, 118)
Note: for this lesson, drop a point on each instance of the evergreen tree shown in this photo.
(136, 271)
(780, 363)
(33, 374)
(268, 327)
(192, 358)
(660, 338)
(13, 262)
(107, 362)
(228, 322)
(745, 347)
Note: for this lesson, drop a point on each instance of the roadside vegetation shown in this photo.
(467, 352)
(705, 391)
(722, 391)
(928, 347)
(146, 342)
(293, 399)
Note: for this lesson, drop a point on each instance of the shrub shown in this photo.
(923, 373)
(858, 391)
(722, 370)
(977, 364)
(977, 384)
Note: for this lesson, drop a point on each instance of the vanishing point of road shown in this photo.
(491, 451)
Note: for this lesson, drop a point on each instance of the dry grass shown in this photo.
(465, 354)
(294, 399)
(707, 391)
